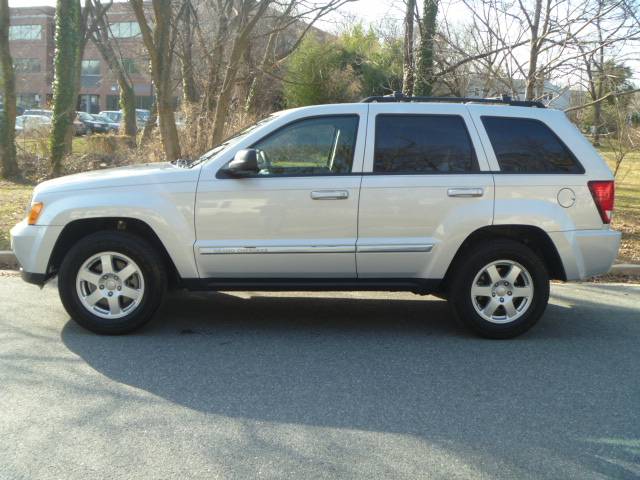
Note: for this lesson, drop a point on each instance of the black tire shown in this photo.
(141, 252)
(472, 262)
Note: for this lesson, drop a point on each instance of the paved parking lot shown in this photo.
(292, 385)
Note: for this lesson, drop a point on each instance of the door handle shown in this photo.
(465, 192)
(330, 195)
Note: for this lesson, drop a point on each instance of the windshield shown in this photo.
(101, 118)
(232, 140)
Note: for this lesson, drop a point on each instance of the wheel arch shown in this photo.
(76, 230)
(533, 237)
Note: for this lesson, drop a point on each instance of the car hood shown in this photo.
(144, 174)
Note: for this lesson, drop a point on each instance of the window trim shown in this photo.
(221, 176)
(92, 60)
(37, 39)
(557, 137)
(413, 174)
(27, 61)
(124, 37)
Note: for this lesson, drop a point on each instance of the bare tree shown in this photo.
(249, 14)
(8, 117)
(408, 72)
(109, 49)
(159, 37)
(295, 20)
(189, 89)
(625, 138)
(68, 37)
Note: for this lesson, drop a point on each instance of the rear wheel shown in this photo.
(499, 289)
(111, 282)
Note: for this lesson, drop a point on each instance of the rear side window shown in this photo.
(524, 145)
(423, 144)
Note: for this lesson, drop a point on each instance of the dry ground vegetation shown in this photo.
(97, 152)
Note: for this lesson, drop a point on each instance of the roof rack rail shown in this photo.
(504, 99)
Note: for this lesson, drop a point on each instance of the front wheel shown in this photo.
(111, 282)
(499, 289)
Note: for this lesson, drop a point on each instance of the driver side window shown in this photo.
(313, 146)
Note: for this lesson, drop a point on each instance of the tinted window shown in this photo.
(315, 146)
(524, 145)
(423, 144)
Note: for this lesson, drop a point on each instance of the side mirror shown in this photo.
(244, 164)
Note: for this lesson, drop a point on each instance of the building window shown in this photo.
(113, 102)
(125, 29)
(25, 32)
(91, 67)
(27, 100)
(144, 102)
(88, 103)
(130, 66)
(26, 65)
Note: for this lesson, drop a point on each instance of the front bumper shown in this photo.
(32, 246)
(586, 253)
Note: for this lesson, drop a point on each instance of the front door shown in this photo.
(426, 186)
(296, 218)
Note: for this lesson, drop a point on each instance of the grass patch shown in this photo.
(14, 199)
(626, 217)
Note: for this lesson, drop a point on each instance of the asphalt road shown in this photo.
(300, 386)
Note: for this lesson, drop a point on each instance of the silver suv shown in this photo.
(479, 202)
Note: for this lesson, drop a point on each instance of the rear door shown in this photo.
(426, 186)
(539, 179)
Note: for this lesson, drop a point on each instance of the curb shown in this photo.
(625, 269)
(8, 260)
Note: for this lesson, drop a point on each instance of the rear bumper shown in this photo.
(586, 253)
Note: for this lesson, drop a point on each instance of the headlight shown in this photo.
(34, 213)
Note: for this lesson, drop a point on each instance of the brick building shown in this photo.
(31, 38)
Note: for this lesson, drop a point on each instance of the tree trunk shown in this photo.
(240, 44)
(189, 89)
(107, 47)
(66, 71)
(408, 73)
(128, 106)
(534, 49)
(166, 119)
(8, 118)
(157, 40)
(424, 75)
(224, 98)
(251, 105)
(151, 124)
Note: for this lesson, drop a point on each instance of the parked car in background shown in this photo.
(97, 123)
(79, 127)
(116, 116)
(19, 110)
(38, 113)
(32, 124)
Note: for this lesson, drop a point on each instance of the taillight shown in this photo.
(603, 192)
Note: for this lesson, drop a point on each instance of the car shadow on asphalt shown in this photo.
(399, 366)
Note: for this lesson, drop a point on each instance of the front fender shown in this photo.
(168, 209)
